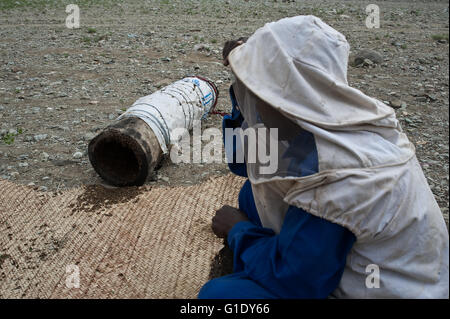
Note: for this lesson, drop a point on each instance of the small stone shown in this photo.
(432, 97)
(422, 61)
(371, 55)
(202, 47)
(43, 188)
(367, 62)
(44, 157)
(93, 102)
(77, 155)
(396, 104)
(165, 179)
(12, 131)
(45, 178)
(111, 117)
(13, 174)
(396, 43)
(31, 184)
(422, 99)
(24, 164)
(40, 137)
(22, 157)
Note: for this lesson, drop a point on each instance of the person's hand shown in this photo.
(225, 219)
(229, 46)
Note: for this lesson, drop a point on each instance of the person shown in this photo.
(348, 212)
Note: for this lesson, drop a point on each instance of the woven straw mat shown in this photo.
(135, 242)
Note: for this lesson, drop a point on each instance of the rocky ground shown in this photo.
(59, 87)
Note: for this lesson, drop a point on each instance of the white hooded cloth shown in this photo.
(369, 180)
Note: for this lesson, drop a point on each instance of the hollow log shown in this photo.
(125, 152)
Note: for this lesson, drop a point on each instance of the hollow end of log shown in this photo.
(125, 152)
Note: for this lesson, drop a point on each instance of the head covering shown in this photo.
(293, 73)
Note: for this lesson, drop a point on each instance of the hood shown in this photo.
(298, 67)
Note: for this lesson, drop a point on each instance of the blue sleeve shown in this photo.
(306, 260)
(234, 121)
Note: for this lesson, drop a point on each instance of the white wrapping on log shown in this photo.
(177, 105)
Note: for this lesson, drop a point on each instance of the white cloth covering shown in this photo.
(369, 180)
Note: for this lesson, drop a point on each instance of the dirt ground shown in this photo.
(59, 87)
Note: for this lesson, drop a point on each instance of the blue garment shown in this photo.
(234, 121)
(305, 260)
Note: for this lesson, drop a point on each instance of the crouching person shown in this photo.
(347, 213)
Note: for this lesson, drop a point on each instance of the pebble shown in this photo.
(432, 97)
(43, 188)
(111, 117)
(202, 47)
(396, 104)
(13, 174)
(77, 155)
(24, 164)
(40, 137)
(44, 157)
(422, 99)
(370, 55)
(165, 179)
